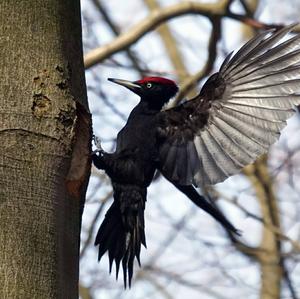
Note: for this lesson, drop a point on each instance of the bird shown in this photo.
(237, 115)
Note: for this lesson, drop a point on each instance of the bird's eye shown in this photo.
(149, 85)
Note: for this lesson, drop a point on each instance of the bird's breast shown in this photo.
(136, 151)
(138, 134)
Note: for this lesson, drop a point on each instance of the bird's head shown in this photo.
(157, 91)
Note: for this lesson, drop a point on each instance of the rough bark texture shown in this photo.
(44, 147)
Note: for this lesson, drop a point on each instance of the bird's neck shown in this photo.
(148, 107)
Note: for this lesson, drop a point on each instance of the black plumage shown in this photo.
(237, 115)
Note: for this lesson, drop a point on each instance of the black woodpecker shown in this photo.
(237, 115)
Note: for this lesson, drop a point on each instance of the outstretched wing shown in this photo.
(238, 114)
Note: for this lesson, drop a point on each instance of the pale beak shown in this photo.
(128, 84)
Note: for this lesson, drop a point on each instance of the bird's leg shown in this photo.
(98, 160)
(105, 161)
(97, 143)
(98, 154)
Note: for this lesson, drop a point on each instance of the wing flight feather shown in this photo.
(238, 114)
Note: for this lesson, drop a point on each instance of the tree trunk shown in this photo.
(44, 147)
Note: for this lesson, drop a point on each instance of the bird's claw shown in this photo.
(97, 151)
(97, 143)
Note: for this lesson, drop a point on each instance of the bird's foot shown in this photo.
(97, 143)
(98, 153)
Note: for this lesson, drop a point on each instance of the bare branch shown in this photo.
(212, 54)
(210, 10)
(269, 258)
(156, 18)
(84, 292)
(288, 279)
(116, 31)
(171, 45)
(181, 280)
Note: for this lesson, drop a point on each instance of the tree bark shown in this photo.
(44, 148)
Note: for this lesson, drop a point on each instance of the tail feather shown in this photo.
(122, 233)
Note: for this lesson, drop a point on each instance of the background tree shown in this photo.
(44, 148)
(191, 257)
